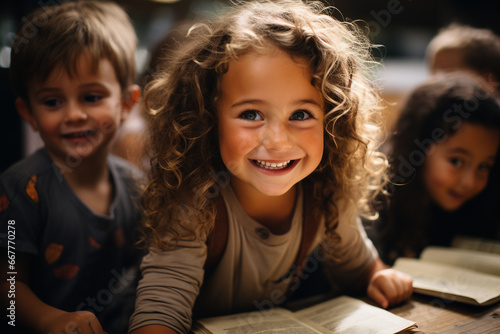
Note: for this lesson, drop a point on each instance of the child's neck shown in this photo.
(264, 209)
(91, 183)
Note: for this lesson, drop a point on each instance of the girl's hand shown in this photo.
(82, 322)
(389, 287)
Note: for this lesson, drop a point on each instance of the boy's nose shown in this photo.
(75, 113)
(277, 137)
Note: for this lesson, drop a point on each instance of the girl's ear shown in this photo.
(492, 80)
(130, 99)
(24, 110)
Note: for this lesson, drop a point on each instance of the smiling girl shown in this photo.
(445, 159)
(267, 111)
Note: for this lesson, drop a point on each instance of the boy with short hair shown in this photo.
(68, 212)
(462, 47)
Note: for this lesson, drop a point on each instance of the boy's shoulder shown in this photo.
(126, 172)
(26, 178)
(124, 168)
(39, 163)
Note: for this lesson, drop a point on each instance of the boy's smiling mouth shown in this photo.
(79, 135)
(273, 165)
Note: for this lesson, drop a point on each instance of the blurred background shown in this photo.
(403, 28)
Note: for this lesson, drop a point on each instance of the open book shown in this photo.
(339, 315)
(465, 275)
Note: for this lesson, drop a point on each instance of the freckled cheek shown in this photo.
(313, 143)
(235, 146)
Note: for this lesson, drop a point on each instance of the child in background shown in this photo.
(130, 142)
(461, 47)
(445, 166)
(268, 111)
(69, 210)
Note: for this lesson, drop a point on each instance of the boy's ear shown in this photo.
(24, 110)
(130, 99)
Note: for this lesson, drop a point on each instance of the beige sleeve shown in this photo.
(351, 257)
(170, 284)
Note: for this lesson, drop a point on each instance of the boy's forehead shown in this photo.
(448, 59)
(83, 69)
(78, 65)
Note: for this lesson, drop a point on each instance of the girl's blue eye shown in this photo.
(251, 115)
(92, 98)
(300, 115)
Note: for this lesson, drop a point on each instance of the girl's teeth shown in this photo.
(272, 165)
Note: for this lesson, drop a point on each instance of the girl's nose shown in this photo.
(468, 179)
(277, 137)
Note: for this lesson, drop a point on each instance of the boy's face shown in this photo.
(457, 169)
(270, 122)
(448, 60)
(77, 116)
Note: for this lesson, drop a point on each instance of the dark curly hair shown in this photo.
(433, 112)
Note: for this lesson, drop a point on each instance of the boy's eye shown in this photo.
(92, 98)
(251, 115)
(52, 103)
(300, 115)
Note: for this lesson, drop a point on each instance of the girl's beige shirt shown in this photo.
(253, 273)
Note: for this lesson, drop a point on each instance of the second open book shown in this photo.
(341, 315)
(467, 272)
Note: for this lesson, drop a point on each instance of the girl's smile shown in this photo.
(270, 122)
(457, 170)
(274, 165)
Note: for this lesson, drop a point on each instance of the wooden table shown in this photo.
(435, 315)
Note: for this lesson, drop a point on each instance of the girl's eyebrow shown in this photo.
(459, 150)
(466, 152)
(248, 101)
(258, 101)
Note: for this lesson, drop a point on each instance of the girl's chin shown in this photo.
(451, 207)
(275, 191)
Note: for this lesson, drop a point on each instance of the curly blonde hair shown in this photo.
(181, 102)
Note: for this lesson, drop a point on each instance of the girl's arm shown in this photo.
(35, 314)
(153, 329)
(388, 286)
(168, 288)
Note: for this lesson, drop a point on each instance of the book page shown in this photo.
(350, 316)
(476, 243)
(274, 321)
(446, 281)
(479, 261)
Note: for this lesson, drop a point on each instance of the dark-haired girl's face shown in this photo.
(457, 169)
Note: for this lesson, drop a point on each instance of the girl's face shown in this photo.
(270, 122)
(457, 169)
